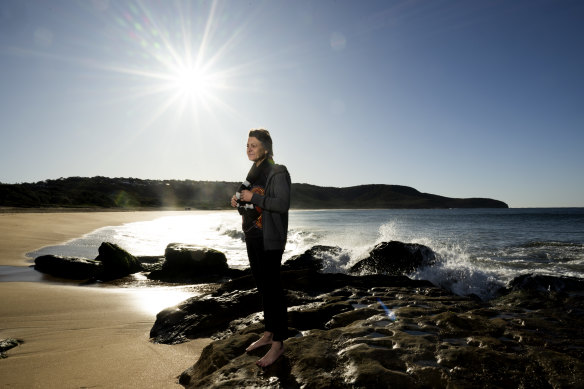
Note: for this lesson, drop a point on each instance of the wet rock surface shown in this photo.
(342, 336)
(191, 263)
(112, 262)
(8, 344)
(68, 267)
(181, 263)
(313, 258)
(228, 309)
(117, 262)
(394, 258)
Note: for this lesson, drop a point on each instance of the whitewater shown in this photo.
(478, 250)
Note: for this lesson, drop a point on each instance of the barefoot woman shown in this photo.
(264, 205)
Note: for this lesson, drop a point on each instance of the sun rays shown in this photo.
(169, 64)
(172, 56)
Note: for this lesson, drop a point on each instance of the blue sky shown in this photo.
(456, 98)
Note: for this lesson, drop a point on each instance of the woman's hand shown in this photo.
(246, 195)
(234, 201)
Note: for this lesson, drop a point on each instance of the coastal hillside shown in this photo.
(381, 196)
(133, 193)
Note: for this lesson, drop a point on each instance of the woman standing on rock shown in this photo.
(263, 201)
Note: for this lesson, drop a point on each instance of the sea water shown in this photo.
(478, 250)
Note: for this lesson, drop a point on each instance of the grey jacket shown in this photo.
(275, 204)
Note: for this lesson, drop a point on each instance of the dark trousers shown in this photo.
(265, 267)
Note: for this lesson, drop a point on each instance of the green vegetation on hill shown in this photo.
(133, 193)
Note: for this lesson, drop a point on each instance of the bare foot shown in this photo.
(271, 356)
(265, 340)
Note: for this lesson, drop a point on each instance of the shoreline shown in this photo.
(24, 232)
(79, 336)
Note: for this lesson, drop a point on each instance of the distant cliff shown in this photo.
(133, 193)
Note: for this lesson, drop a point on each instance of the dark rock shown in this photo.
(7, 344)
(117, 262)
(383, 331)
(214, 314)
(68, 267)
(214, 357)
(394, 258)
(245, 282)
(312, 259)
(112, 262)
(237, 273)
(346, 339)
(190, 263)
(532, 282)
(316, 316)
(314, 283)
(151, 263)
(195, 318)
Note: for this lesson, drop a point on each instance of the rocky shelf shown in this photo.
(371, 328)
(386, 331)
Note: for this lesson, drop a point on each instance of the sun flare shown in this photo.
(171, 62)
(192, 82)
(182, 63)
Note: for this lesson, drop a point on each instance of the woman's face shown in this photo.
(255, 150)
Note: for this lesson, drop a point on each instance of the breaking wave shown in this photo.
(478, 251)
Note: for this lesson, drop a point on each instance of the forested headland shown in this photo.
(133, 193)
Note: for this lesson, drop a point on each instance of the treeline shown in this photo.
(104, 192)
(133, 193)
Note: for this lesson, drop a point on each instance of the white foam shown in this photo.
(474, 257)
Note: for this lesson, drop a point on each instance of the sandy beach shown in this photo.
(78, 336)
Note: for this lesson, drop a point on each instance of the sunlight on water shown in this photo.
(152, 237)
(154, 300)
(477, 251)
(219, 230)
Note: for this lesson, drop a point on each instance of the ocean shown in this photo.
(478, 250)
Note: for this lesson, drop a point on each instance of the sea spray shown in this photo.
(478, 251)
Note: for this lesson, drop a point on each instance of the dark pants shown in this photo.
(265, 267)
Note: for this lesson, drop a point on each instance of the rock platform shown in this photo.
(344, 337)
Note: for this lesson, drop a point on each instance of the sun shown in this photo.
(177, 58)
(191, 82)
(192, 88)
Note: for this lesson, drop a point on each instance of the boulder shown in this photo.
(395, 258)
(68, 267)
(117, 262)
(203, 317)
(543, 283)
(112, 262)
(312, 259)
(192, 263)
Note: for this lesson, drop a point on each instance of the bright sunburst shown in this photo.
(174, 56)
(174, 59)
(192, 82)
(194, 85)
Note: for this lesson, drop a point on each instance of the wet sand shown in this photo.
(78, 336)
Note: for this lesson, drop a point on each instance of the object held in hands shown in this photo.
(242, 205)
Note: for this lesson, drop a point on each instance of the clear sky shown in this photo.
(457, 98)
